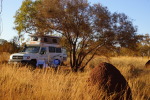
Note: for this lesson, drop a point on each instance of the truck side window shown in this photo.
(54, 40)
(43, 50)
(51, 49)
(58, 50)
(45, 40)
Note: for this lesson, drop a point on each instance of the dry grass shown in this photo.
(4, 56)
(24, 84)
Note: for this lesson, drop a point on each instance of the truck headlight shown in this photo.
(10, 57)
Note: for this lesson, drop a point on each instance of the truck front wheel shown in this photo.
(33, 63)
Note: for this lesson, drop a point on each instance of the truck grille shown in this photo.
(17, 57)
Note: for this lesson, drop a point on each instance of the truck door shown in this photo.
(59, 53)
(52, 53)
(44, 54)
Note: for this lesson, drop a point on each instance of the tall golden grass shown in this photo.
(20, 83)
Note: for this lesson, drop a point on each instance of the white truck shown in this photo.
(45, 49)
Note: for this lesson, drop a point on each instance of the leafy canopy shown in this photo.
(84, 27)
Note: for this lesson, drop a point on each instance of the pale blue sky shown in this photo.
(138, 10)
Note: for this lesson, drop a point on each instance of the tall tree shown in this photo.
(85, 27)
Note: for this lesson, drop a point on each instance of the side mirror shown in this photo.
(25, 46)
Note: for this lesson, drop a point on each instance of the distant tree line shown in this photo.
(11, 46)
(142, 48)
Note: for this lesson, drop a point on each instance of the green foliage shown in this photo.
(24, 15)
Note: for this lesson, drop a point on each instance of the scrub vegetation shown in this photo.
(20, 83)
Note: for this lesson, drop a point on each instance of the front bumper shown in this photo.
(12, 61)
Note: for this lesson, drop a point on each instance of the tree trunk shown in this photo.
(75, 69)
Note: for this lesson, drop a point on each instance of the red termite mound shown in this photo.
(109, 78)
(147, 65)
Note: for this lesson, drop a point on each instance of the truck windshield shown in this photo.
(31, 49)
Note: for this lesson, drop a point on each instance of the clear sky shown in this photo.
(138, 10)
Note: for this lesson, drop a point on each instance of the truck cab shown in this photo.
(41, 48)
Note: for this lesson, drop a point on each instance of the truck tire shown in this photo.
(33, 63)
